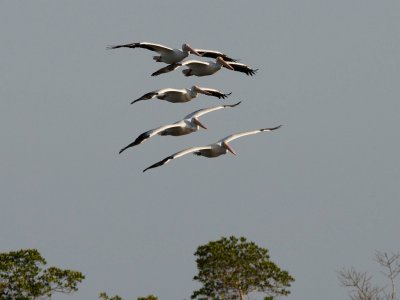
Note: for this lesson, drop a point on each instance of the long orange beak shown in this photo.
(224, 63)
(192, 50)
(229, 149)
(197, 122)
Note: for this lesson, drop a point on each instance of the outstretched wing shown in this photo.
(159, 94)
(149, 46)
(200, 112)
(215, 93)
(148, 134)
(242, 68)
(214, 54)
(167, 69)
(235, 136)
(147, 96)
(176, 155)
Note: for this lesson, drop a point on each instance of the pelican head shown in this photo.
(221, 61)
(198, 89)
(198, 123)
(188, 48)
(229, 148)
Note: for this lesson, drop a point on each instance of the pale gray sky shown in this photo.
(320, 193)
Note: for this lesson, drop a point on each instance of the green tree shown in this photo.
(23, 277)
(104, 296)
(149, 297)
(231, 268)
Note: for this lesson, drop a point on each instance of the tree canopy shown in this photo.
(231, 268)
(23, 277)
(104, 296)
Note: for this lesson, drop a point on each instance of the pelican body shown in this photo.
(216, 149)
(167, 55)
(185, 126)
(201, 68)
(181, 95)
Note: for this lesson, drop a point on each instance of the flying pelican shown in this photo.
(167, 55)
(201, 68)
(188, 125)
(213, 150)
(181, 95)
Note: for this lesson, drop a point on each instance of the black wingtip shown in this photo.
(134, 101)
(233, 105)
(138, 141)
(123, 149)
(252, 72)
(273, 128)
(223, 96)
(111, 47)
(160, 163)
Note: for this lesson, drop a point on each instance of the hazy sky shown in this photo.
(320, 193)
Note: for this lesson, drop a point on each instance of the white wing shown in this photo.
(176, 155)
(194, 62)
(167, 69)
(149, 46)
(157, 93)
(200, 112)
(175, 66)
(148, 134)
(235, 136)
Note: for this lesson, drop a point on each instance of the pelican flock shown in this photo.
(188, 125)
(175, 58)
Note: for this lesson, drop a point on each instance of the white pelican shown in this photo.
(201, 68)
(167, 55)
(188, 125)
(213, 150)
(181, 95)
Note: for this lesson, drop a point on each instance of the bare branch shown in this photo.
(391, 263)
(360, 285)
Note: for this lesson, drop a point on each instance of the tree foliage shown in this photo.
(104, 296)
(23, 277)
(231, 268)
(149, 297)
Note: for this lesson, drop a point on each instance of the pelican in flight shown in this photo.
(172, 56)
(188, 125)
(181, 95)
(213, 150)
(201, 68)
(167, 55)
